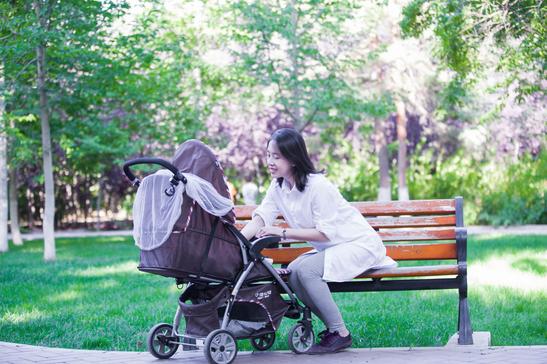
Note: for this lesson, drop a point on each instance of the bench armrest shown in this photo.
(263, 243)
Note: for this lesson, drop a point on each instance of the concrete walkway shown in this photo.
(471, 230)
(18, 353)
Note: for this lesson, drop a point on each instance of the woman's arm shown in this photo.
(252, 228)
(294, 234)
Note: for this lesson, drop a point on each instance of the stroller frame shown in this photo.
(301, 336)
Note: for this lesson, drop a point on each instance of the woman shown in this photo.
(315, 211)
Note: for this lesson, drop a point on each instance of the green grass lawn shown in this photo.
(93, 297)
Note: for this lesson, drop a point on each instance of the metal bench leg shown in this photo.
(465, 332)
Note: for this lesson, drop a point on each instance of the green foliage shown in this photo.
(432, 176)
(355, 174)
(461, 27)
(299, 50)
(518, 195)
(493, 194)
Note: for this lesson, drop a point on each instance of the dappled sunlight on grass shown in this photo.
(488, 237)
(68, 295)
(521, 271)
(129, 267)
(484, 247)
(23, 317)
(534, 265)
(108, 283)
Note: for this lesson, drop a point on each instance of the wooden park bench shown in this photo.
(418, 230)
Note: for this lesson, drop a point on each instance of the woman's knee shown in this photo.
(310, 269)
(293, 279)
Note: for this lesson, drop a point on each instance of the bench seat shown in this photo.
(419, 271)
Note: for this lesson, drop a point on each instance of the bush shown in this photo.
(431, 177)
(518, 195)
(494, 194)
(354, 172)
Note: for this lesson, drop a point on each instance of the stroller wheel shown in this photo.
(298, 343)
(160, 341)
(263, 342)
(220, 347)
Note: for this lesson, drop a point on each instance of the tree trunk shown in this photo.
(384, 188)
(99, 198)
(3, 169)
(14, 208)
(30, 205)
(401, 158)
(293, 52)
(49, 210)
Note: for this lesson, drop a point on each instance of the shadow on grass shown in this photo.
(533, 265)
(482, 247)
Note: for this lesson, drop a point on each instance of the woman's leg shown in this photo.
(296, 285)
(309, 274)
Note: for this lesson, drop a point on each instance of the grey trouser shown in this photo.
(307, 282)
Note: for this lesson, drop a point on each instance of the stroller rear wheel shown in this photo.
(220, 347)
(263, 342)
(298, 343)
(160, 341)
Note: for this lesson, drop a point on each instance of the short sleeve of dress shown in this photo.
(268, 209)
(324, 203)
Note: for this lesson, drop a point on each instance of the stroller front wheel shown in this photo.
(298, 342)
(220, 347)
(160, 341)
(263, 342)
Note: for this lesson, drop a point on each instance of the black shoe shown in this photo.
(322, 334)
(331, 342)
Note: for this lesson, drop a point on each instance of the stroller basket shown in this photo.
(256, 310)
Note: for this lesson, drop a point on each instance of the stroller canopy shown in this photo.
(158, 206)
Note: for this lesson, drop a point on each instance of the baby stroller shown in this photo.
(184, 227)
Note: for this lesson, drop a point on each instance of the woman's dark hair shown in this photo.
(292, 146)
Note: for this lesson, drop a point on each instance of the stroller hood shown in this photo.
(195, 157)
(200, 245)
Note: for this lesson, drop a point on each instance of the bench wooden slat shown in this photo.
(397, 252)
(244, 212)
(392, 222)
(417, 235)
(432, 270)
(404, 222)
(372, 208)
(422, 252)
(412, 207)
(405, 235)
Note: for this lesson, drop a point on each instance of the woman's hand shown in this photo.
(268, 231)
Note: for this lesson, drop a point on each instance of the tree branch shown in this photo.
(25, 67)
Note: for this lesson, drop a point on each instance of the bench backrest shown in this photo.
(411, 230)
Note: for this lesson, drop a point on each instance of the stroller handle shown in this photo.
(177, 176)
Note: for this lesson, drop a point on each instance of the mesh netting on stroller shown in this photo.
(184, 227)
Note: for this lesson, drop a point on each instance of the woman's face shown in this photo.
(278, 165)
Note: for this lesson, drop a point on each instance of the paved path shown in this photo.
(472, 230)
(18, 354)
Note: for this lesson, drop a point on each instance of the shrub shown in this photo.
(518, 195)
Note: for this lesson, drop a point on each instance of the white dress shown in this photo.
(353, 246)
